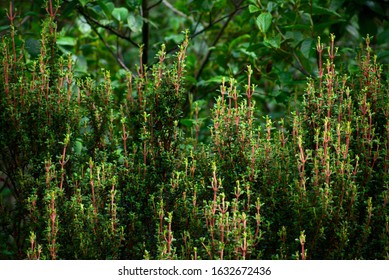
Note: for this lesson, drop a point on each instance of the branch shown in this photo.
(178, 12)
(209, 26)
(91, 20)
(154, 5)
(229, 18)
(108, 47)
(299, 65)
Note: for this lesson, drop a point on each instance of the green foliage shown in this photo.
(113, 167)
(226, 36)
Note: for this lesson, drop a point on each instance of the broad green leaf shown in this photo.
(133, 4)
(306, 47)
(187, 122)
(83, 2)
(273, 42)
(107, 7)
(238, 40)
(304, 63)
(248, 54)
(83, 26)
(66, 41)
(176, 38)
(120, 13)
(253, 9)
(317, 10)
(78, 146)
(294, 38)
(81, 65)
(4, 27)
(264, 21)
(135, 22)
(216, 79)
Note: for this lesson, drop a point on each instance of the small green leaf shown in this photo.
(135, 22)
(4, 27)
(253, 9)
(216, 79)
(306, 47)
(187, 122)
(78, 147)
(273, 42)
(107, 7)
(133, 4)
(238, 40)
(81, 65)
(264, 21)
(176, 38)
(120, 13)
(66, 41)
(83, 2)
(83, 26)
(317, 10)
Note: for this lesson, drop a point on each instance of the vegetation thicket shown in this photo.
(135, 165)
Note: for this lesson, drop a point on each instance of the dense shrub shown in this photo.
(90, 171)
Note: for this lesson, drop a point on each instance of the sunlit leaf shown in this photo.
(264, 21)
(78, 146)
(135, 22)
(120, 13)
(175, 38)
(253, 9)
(83, 2)
(83, 26)
(66, 41)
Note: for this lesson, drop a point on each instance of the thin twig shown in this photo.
(230, 17)
(299, 65)
(209, 26)
(178, 12)
(91, 20)
(108, 47)
(154, 5)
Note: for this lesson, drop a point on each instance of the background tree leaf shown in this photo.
(264, 21)
(135, 22)
(120, 14)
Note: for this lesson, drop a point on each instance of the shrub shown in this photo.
(96, 171)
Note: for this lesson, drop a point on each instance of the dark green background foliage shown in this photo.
(194, 130)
